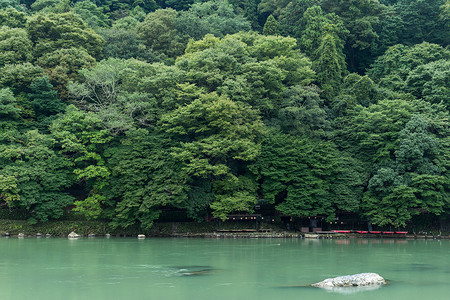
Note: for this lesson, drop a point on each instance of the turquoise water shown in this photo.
(260, 269)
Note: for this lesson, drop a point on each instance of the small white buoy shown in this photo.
(141, 236)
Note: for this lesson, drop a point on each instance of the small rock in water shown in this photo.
(141, 236)
(73, 235)
(21, 235)
(107, 235)
(363, 279)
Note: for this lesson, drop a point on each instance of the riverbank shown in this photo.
(183, 229)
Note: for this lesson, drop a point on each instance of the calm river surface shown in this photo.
(194, 269)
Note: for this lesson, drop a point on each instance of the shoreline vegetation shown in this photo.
(101, 229)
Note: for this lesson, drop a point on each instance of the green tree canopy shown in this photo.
(53, 31)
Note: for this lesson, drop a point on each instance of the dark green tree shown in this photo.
(82, 141)
(34, 176)
(413, 185)
(297, 175)
(271, 26)
(216, 134)
(44, 99)
(144, 178)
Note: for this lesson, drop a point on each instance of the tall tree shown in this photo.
(34, 176)
(413, 185)
(82, 140)
(144, 178)
(216, 134)
(362, 19)
(271, 26)
(297, 175)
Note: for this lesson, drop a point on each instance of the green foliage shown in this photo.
(144, 178)
(125, 43)
(15, 4)
(248, 68)
(301, 112)
(13, 18)
(392, 69)
(44, 99)
(431, 82)
(19, 77)
(271, 26)
(8, 108)
(362, 19)
(158, 32)
(291, 17)
(9, 190)
(298, 174)
(112, 92)
(15, 46)
(51, 6)
(371, 133)
(215, 17)
(54, 31)
(91, 14)
(422, 22)
(323, 40)
(62, 66)
(415, 183)
(217, 133)
(82, 139)
(34, 176)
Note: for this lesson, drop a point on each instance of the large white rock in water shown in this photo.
(363, 279)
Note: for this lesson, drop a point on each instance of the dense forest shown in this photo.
(118, 110)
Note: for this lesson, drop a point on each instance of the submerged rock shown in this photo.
(193, 270)
(362, 279)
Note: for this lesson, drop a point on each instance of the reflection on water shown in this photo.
(351, 289)
(188, 269)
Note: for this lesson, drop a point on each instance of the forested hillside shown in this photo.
(119, 109)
